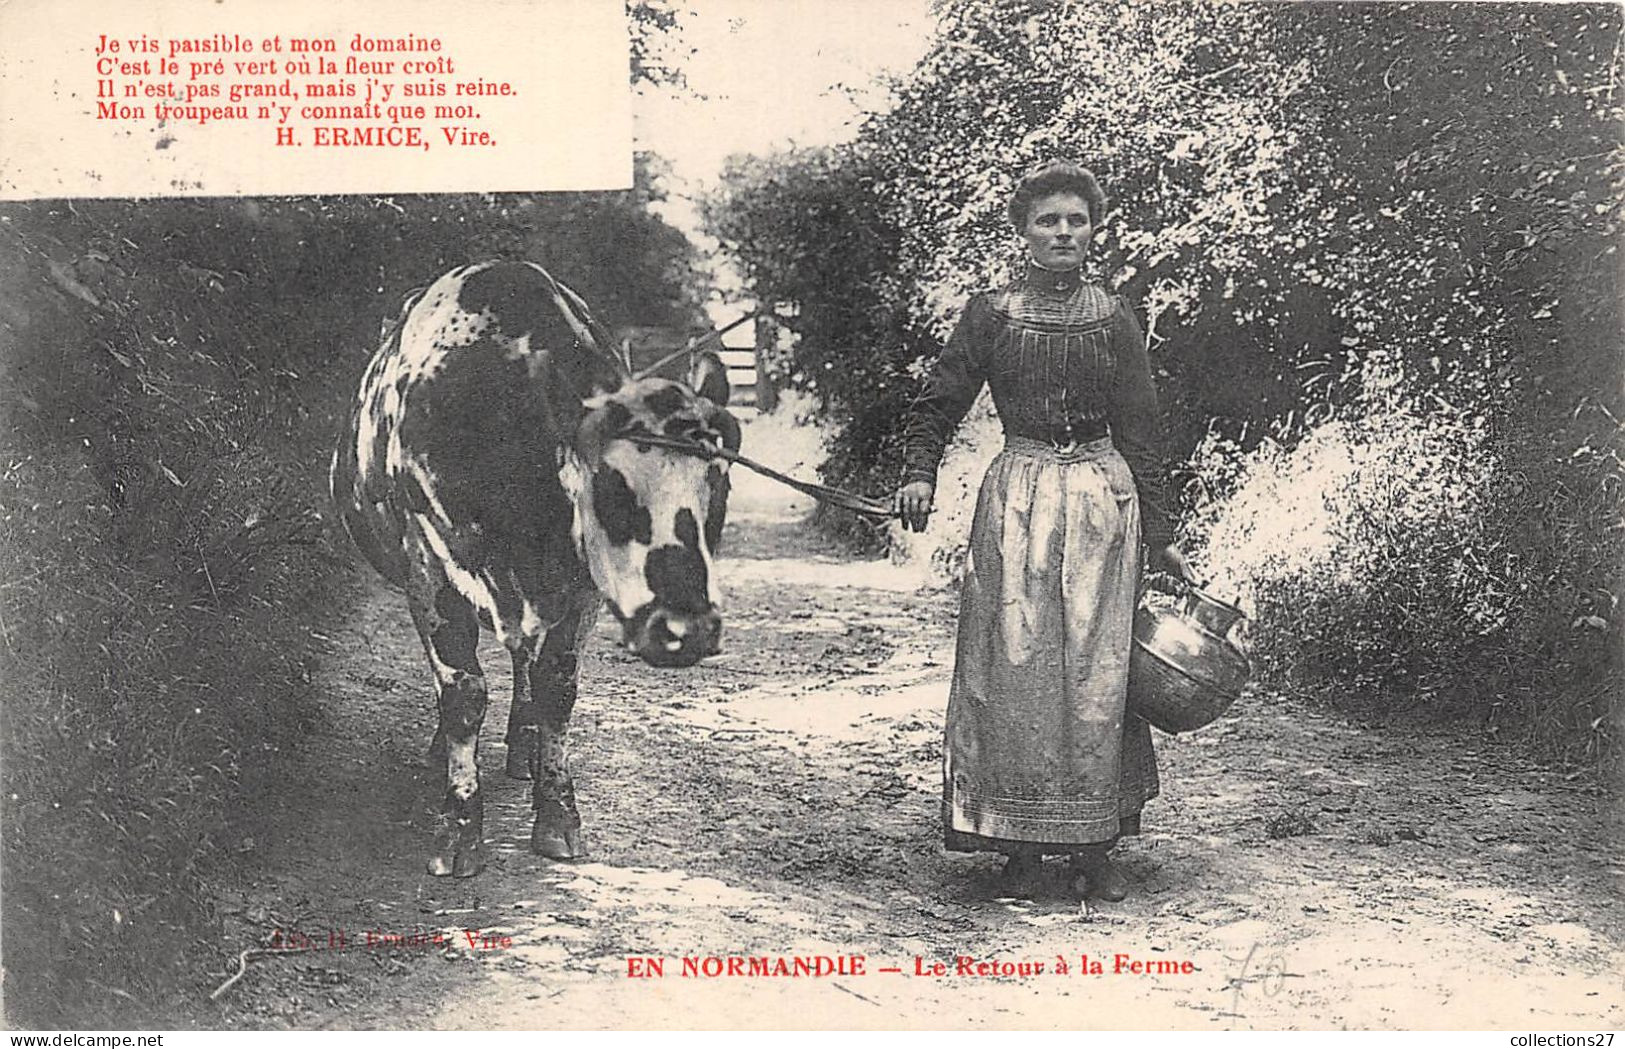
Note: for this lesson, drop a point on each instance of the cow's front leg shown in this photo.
(554, 677)
(451, 636)
(521, 736)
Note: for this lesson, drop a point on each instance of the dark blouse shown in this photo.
(1065, 360)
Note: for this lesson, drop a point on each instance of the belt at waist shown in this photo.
(1067, 435)
(1088, 451)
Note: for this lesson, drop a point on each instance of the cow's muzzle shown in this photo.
(676, 639)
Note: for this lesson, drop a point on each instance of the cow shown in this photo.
(490, 471)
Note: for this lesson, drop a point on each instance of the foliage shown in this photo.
(613, 249)
(1332, 215)
(1341, 550)
(873, 246)
(1390, 558)
(656, 33)
(1481, 310)
(160, 505)
(173, 374)
(846, 345)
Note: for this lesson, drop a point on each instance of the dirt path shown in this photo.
(781, 800)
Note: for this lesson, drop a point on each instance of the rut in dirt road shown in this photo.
(781, 800)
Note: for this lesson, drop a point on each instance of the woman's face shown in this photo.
(1058, 230)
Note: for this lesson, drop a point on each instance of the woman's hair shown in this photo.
(1050, 178)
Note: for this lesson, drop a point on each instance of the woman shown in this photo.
(1041, 756)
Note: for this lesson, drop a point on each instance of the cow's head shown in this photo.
(647, 519)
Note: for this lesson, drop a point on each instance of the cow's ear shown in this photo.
(708, 377)
(728, 427)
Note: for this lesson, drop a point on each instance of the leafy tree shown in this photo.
(656, 39)
(1006, 84)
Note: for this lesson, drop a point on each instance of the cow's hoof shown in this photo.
(469, 862)
(518, 762)
(564, 845)
(464, 863)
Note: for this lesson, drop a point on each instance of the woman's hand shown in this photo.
(1171, 559)
(913, 504)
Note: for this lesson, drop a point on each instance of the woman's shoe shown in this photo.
(1021, 875)
(1099, 877)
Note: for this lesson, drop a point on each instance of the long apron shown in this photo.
(1040, 748)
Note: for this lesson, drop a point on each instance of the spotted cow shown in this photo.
(487, 472)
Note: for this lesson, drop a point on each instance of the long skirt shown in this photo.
(1040, 750)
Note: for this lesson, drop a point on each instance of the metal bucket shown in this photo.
(1185, 669)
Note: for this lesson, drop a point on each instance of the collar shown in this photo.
(1044, 279)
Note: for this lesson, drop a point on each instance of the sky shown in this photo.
(769, 73)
